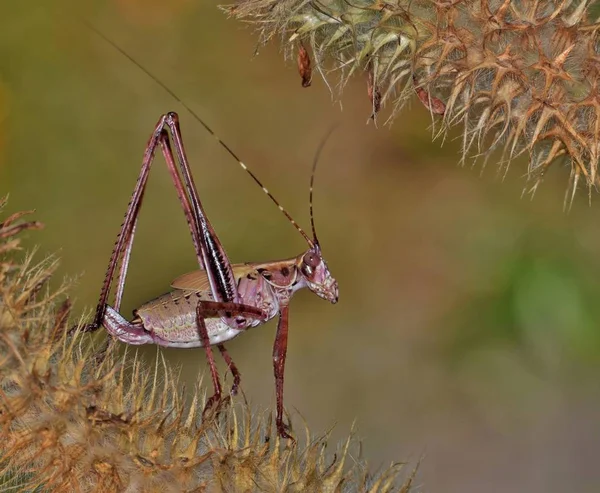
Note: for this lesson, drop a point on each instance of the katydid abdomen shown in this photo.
(172, 317)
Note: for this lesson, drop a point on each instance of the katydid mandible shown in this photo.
(221, 300)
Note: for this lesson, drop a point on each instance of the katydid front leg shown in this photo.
(279, 355)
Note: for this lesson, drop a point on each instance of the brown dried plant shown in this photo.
(74, 422)
(519, 76)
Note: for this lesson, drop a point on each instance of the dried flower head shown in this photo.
(73, 422)
(519, 76)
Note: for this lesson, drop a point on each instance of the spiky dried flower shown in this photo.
(518, 75)
(73, 422)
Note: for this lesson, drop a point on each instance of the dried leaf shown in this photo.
(304, 68)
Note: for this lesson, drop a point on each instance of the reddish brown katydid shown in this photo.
(221, 300)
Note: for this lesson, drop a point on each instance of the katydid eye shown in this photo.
(311, 260)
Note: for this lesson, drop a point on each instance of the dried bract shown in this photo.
(304, 68)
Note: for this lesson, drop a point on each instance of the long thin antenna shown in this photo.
(206, 127)
(312, 180)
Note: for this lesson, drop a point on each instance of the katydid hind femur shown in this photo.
(221, 300)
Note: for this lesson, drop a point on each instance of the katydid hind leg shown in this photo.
(124, 241)
(209, 251)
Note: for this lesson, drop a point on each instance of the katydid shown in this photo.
(212, 305)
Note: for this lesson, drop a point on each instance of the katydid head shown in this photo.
(314, 272)
(312, 265)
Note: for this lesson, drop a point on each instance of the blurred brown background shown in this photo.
(467, 328)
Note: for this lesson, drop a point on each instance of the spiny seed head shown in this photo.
(74, 421)
(518, 76)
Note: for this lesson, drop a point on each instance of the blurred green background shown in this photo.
(467, 328)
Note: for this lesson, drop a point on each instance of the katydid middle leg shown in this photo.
(235, 373)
